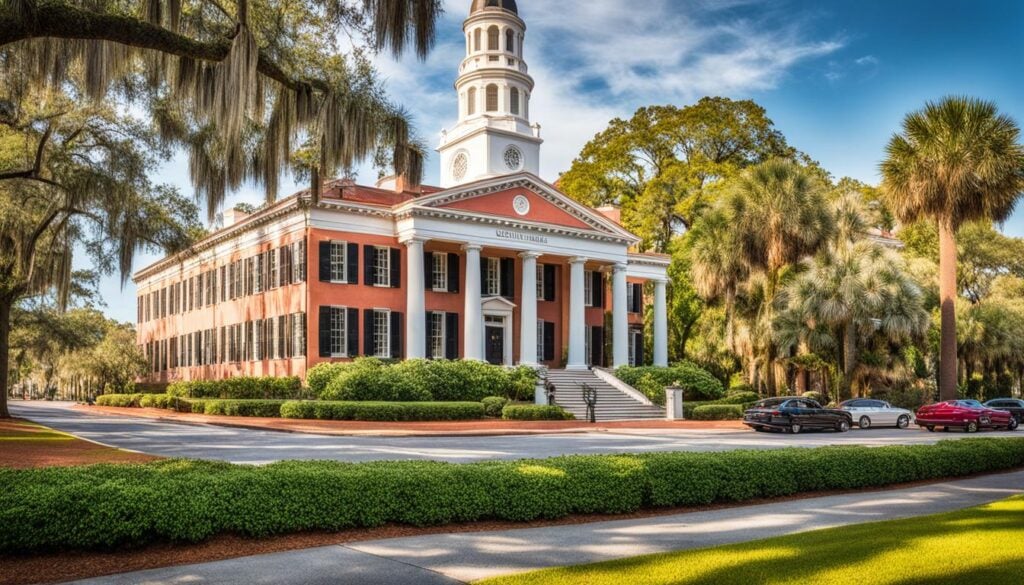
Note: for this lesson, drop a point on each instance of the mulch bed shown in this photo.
(58, 567)
(26, 444)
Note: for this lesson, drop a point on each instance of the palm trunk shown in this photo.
(849, 361)
(947, 298)
(5, 349)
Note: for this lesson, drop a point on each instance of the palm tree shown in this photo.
(955, 161)
(779, 215)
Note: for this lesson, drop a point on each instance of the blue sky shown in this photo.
(836, 77)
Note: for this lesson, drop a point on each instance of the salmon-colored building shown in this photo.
(497, 265)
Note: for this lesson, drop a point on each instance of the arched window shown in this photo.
(514, 101)
(471, 102)
(492, 98)
(476, 40)
(510, 41)
(493, 34)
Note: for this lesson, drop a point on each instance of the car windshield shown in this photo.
(769, 402)
(971, 404)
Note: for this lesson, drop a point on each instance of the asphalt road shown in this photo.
(200, 441)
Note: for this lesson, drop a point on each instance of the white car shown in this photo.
(868, 412)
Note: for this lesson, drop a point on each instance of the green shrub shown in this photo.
(493, 405)
(739, 398)
(718, 412)
(383, 411)
(122, 400)
(535, 412)
(111, 507)
(740, 387)
(909, 398)
(157, 401)
(240, 388)
(217, 406)
(320, 375)
(650, 387)
(371, 379)
(695, 381)
(815, 396)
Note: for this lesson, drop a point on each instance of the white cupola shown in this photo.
(493, 135)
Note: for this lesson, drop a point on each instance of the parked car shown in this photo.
(795, 414)
(969, 415)
(869, 413)
(1010, 405)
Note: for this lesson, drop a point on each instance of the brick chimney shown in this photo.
(612, 212)
(399, 184)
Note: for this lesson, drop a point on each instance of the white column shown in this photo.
(473, 313)
(620, 320)
(528, 311)
(660, 324)
(577, 316)
(415, 303)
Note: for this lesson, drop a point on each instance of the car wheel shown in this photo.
(795, 429)
(865, 422)
(931, 428)
(844, 426)
(903, 422)
(1013, 424)
(972, 426)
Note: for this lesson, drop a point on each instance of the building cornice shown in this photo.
(505, 221)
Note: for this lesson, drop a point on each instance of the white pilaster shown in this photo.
(474, 317)
(620, 320)
(660, 324)
(528, 311)
(577, 360)
(415, 303)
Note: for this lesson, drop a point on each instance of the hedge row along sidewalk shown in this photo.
(107, 506)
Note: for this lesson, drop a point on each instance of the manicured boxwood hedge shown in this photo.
(246, 388)
(535, 412)
(718, 412)
(114, 506)
(122, 400)
(696, 382)
(261, 408)
(383, 411)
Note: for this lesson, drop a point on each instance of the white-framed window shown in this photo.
(272, 269)
(632, 347)
(258, 340)
(540, 339)
(437, 335)
(493, 277)
(339, 332)
(514, 101)
(440, 283)
(588, 290)
(629, 297)
(382, 268)
(382, 333)
(540, 281)
(257, 280)
(491, 98)
(339, 262)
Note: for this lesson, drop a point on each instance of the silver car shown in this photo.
(868, 412)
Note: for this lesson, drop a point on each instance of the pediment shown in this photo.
(523, 198)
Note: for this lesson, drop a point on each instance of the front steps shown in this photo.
(612, 403)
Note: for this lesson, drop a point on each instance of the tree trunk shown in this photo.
(947, 298)
(769, 357)
(801, 381)
(5, 356)
(849, 361)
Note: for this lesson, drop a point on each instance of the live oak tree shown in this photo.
(955, 161)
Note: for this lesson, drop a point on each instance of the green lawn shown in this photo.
(976, 545)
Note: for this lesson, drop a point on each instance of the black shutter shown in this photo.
(429, 349)
(352, 333)
(597, 286)
(397, 351)
(550, 276)
(451, 331)
(352, 263)
(368, 330)
(324, 332)
(508, 277)
(396, 268)
(549, 341)
(639, 346)
(325, 261)
(638, 298)
(483, 277)
(369, 262)
(453, 273)
(428, 270)
(597, 346)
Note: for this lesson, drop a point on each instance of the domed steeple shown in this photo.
(494, 135)
(479, 5)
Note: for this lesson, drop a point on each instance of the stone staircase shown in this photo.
(612, 403)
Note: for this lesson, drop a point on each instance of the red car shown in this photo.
(970, 415)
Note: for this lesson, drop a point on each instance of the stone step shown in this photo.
(612, 403)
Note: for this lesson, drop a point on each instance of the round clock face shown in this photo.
(521, 204)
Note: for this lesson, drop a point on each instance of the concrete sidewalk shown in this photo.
(464, 557)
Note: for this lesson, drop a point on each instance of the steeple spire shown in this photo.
(494, 135)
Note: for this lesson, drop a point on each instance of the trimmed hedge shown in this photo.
(372, 379)
(535, 412)
(717, 412)
(121, 400)
(693, 379)
(493, 405)
(113, 506)
(383, 411)
(261, 408)
(240, 388)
